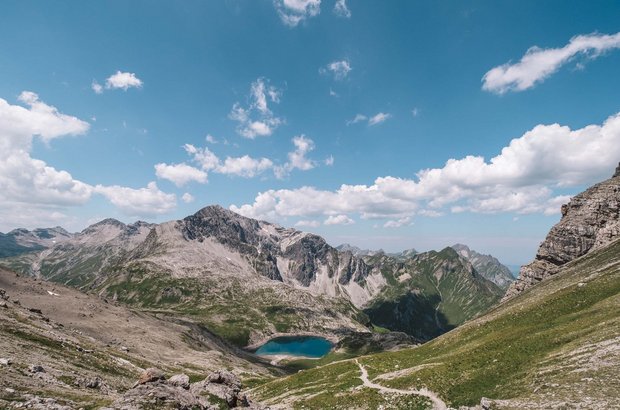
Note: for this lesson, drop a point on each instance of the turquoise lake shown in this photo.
(308, 346)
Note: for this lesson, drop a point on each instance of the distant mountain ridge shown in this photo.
(22, 240)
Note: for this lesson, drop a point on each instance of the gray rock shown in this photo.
(589, 221)
(180, 380)
(151, 374)
(224, 377)
(5, 361)
(36, 368)
(485, 403)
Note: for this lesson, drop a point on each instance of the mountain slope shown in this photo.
(429, 293)
(589, 221)
(67, 348)
(487, 266)
(553, 346)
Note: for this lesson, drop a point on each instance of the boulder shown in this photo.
(36, 368)
(224, 377)
(179, 380)
(150, 375)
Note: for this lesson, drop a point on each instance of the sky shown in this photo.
(393, 125)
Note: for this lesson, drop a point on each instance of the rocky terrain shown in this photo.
(246, 279)
(589, 221)
(486, 265)
(63, 349)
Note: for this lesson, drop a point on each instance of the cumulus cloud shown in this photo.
(29, 185)
(538, 64)
(27, 180)
(180, 174)
(293, 12)
(148, 201)
(338, 220)
(187, 198)
(338, 69)
(522, 179)
(398, 223)
(256, 119)
(297, 158)
(123, 81)
(341, 9)
(245, 166)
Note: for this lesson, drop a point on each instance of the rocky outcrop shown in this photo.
(221, 389)
(589, 221)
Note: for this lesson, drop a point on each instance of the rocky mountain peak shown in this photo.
(589, 221)
(109, 222)
(617, 173)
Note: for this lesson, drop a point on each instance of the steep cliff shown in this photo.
(589, 221)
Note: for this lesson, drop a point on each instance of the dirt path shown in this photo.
(438, 404)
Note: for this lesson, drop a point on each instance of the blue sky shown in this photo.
(381, 124)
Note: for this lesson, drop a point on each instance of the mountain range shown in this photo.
(215, 263)
(87, 313)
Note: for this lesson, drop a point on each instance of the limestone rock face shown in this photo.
(589, 221)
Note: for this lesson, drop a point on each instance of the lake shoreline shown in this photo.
(256, 345)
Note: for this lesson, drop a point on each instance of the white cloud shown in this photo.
(96, 87)
(27, 180)
(308, 223)
(293, 12)
(357, 118)
(211, 139)
(123, 81)
(338, 69)
(297, 158)
(374, 120)
(245, 166)
(398, 223)
(180, 174)
(379, 118)
(188, 198)
(338, 220)
(537, 64)
(257, 120)
(29, 185)
(341, 9)
(148, 201)
(522, 179)
(329, 161)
